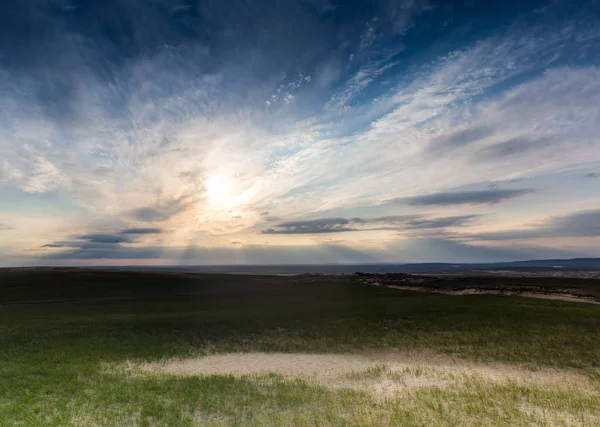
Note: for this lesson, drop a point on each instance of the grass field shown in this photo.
(80, 347)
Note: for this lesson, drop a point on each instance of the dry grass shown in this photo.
(418, 388)
(407, 371)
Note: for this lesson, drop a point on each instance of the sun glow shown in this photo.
(218, 189)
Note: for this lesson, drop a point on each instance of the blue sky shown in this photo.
(298, 131)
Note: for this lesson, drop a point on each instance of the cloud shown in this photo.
(128, 113)
(58, 245)
(206, 107)
(443, 222)
(315, 226)
(149, 214)
(142, 231)
(162, 211)
(289, 254)
(103, 240)
(479, 197)
(578, 224)
(4, 227)
(400, 223)
(483, 95)
(448, 250)
(461, 138)
(81, 244)
(514, 146)
(405, 250)
(91, 240)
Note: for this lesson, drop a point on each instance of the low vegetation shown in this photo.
(65, 336)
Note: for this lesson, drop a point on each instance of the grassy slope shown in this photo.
(50, 353)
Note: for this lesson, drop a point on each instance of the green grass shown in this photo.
(51, 354)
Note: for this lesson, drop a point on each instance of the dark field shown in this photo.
(61, 328)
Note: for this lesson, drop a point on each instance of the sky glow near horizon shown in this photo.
(298, 131)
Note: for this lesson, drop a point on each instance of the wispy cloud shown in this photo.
(102, 240)
(95, 240)
(577, 224)
(460, 139)
(162, 211)
(132, 153)
(132, 113)
(399, 223)
(481, 197)
(142, 231)
(512, 147)
(436, 249)
(408, 250)
(290, 254)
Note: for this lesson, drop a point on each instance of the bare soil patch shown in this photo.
(381, 374)
(551, 295)
(431, 284)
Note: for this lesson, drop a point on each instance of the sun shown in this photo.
(218, 189)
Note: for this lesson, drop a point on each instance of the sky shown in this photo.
(138, 132)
